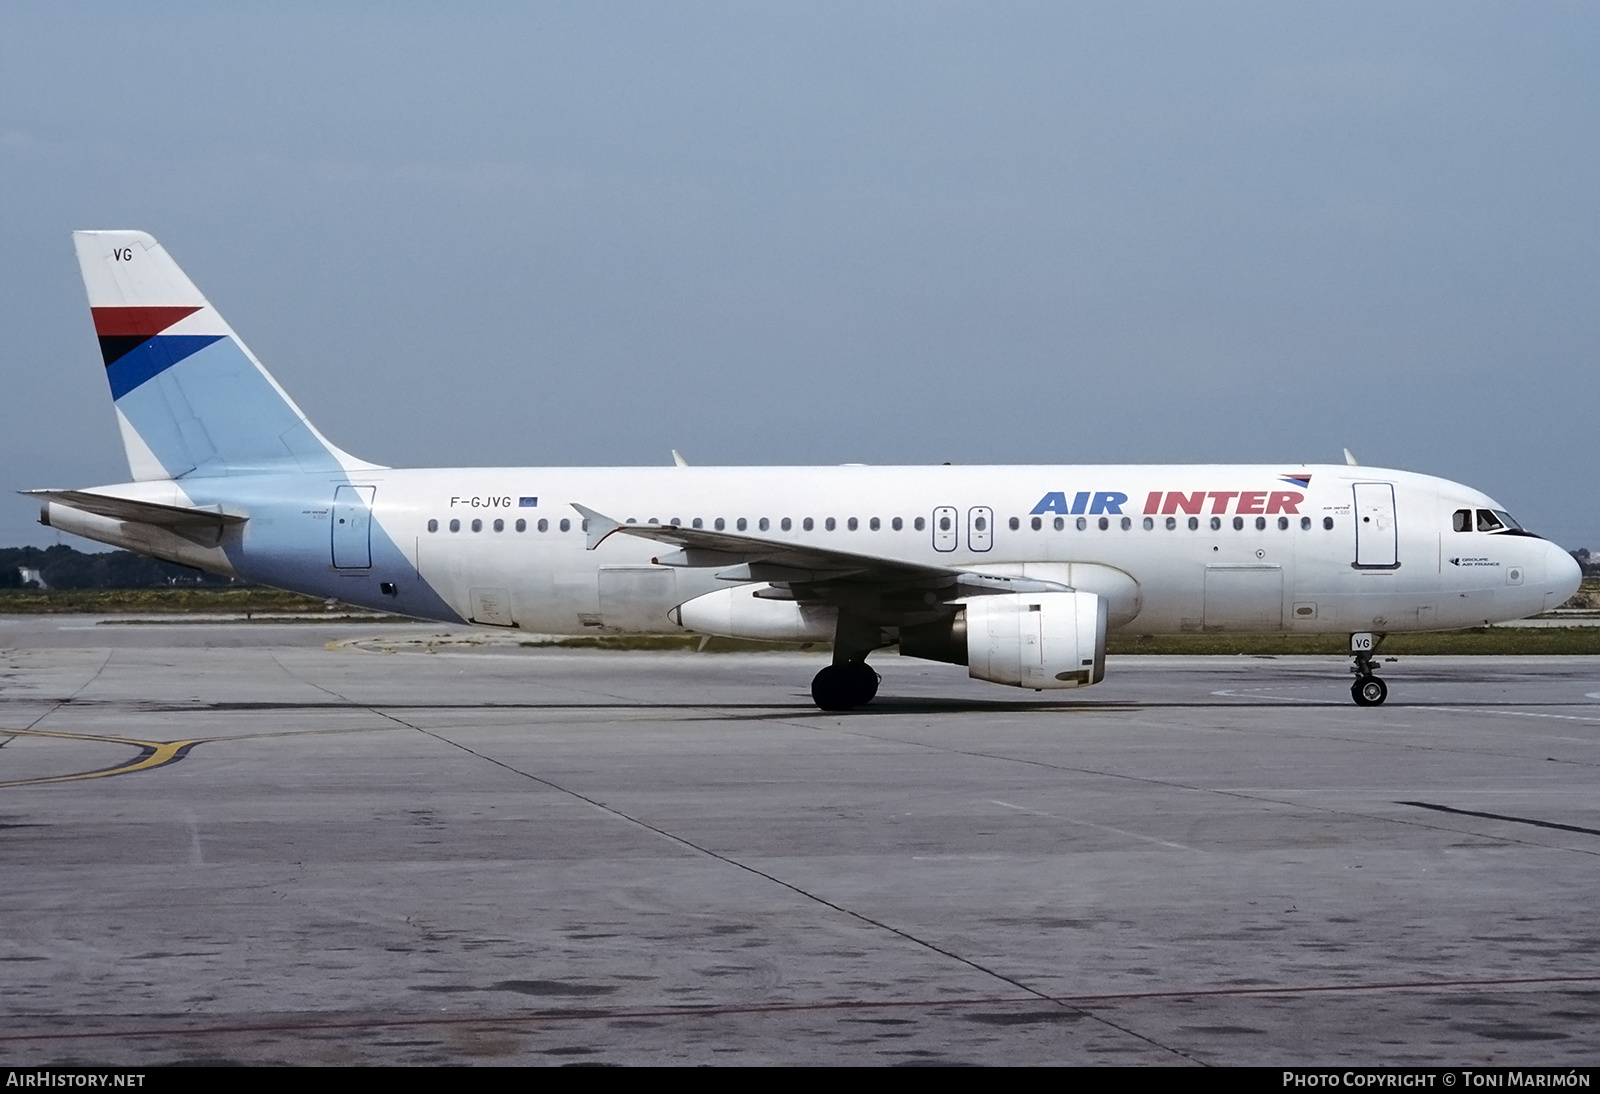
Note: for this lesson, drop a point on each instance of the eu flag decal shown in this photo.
(527, 503)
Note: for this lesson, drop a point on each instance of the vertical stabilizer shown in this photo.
(191, 399)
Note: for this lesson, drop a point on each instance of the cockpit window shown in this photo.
(1488, 522)
(1507, 519)
(1462, 521)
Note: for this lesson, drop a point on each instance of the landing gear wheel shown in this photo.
(1369, 691)
(844, 686)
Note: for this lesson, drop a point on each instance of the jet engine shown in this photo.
(739, 613)
(1027, 640)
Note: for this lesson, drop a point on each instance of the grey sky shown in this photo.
(589, 233)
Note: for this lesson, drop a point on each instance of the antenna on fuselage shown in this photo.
(1349, 458)
(677, 458)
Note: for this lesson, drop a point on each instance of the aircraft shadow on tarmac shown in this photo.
(882, 705)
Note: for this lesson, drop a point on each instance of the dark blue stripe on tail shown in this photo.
(153, 357)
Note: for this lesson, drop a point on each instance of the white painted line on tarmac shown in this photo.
(1091, 824)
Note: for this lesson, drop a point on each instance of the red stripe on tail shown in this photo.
(144, 322)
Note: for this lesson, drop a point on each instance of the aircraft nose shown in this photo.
(1562, 576)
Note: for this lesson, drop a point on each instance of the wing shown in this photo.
(807, 572)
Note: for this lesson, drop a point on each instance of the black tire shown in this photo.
(829, 689)
(1369, 692)
(844, 687)
(864, 681)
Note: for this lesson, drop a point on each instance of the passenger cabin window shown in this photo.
(719, 524)
(477, 525)
(786, 524)
(698, 523)
(1327, 523)
(897, 524)
(808, 524)
(852, 524)
(1037, 523)
(1172, 523)
(433, 526)
(499, 525)
(741, 524)
(830, 524)
(566, 525)
(544, 526)
(920, 523)
(763, 524)
(1060, 524)
(874, 524)
(1082, 522)
(1305, 524)
(522, 525)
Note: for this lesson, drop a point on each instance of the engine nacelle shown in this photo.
(1037, 640)
(739, 613)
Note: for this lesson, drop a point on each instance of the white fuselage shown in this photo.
(1257, 571)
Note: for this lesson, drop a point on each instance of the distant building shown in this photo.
(30, 574)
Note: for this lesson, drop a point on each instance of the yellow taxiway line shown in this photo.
(152, 754)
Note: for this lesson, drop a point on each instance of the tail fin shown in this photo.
(191, 399)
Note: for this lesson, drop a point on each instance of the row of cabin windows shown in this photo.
(807, 524)
(500, 525)
(1059, 524)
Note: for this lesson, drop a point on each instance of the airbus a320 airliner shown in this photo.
(1017, 573)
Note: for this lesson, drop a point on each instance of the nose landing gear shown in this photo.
(1368, 690)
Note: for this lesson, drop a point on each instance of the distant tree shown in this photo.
(64, 567)
(1588, 563)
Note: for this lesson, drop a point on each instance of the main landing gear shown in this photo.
(844, 686)
(1368, 690)
(848, 682)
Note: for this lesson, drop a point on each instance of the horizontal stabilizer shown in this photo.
(143, 512)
